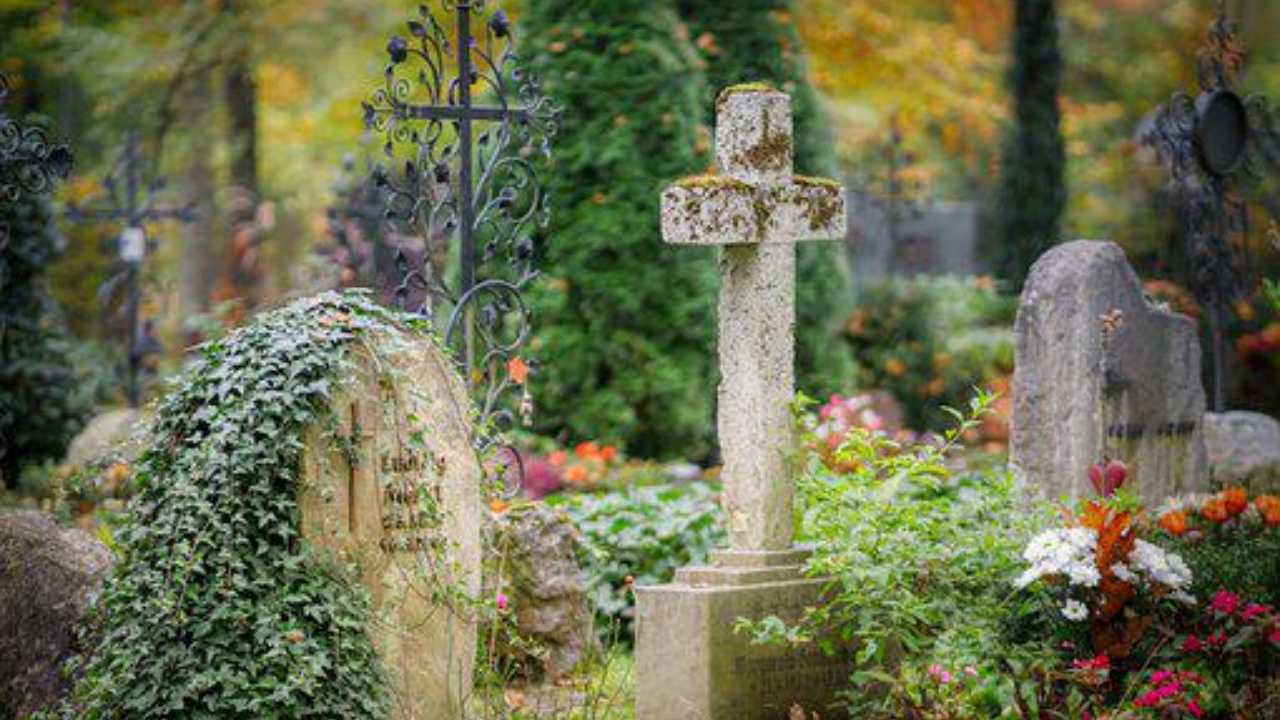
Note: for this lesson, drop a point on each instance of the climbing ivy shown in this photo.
(217, 609)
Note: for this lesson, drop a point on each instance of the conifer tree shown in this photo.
(625, 325)
(756, 40)
(41, 406)
(1033, 192)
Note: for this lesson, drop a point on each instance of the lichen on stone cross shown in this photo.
(756, 210)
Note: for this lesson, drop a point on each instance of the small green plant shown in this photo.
(921, 563)
(639, 536)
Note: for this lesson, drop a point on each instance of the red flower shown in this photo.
(1253, 611)
(1192, 644)
(1216, 510)
(1101, 662)
(1107, 477)
(1236, 500)
(1225, 603)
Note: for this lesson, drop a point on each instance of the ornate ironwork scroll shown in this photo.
(131, 202)
(1209, 142)
(29, 162)
(464, 130)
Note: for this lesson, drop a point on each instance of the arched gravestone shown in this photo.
(403, 502)
(1102, 372)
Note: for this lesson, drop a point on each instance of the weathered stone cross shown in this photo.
(757, 210)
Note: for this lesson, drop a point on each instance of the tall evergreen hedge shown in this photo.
(756, 40)
(41, 406)
(1033, 191)
(625, 324)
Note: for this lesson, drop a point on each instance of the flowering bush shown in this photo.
(1222, 536)
(875, 413)
(1097, 570)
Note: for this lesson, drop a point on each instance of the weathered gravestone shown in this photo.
(404, 503)
(1244, 449)
(689, 661)
(1103, 373)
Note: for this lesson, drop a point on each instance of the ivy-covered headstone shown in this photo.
(400, 498)
(303, 539)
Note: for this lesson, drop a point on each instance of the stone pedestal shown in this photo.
(691, 665)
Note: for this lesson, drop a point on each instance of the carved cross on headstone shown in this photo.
(757, 211)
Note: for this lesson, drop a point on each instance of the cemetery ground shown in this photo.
(573, 413)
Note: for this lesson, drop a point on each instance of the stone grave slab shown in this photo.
(1101, 372)
(403, 501)
(689, 661)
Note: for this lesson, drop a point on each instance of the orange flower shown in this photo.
(895, 367)
(119, 472)
(1236, 500)
(608, 453)
(1174, 521)
(498, 506)
(587, 450)
(1269, 507)
(576, 474)
(1216, 510)
(558, 458)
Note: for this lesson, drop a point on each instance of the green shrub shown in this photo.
(626, 323)
(928, 340)
(42, 404)
(643, 534)
(921, 561)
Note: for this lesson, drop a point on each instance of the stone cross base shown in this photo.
(691, 665)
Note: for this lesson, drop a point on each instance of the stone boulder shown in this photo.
(545, 586)
(1244, 449)
(49, 576)
(114, 431)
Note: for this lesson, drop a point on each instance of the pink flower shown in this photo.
(935, 670)
(1148, 699)
(1160, 676)
(971, 671)
(1225, 603)
(1253, 611)
(1193, 707)
(1192, 644)
(945, 677)
(501, 601)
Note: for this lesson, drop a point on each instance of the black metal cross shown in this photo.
(131, 203)
(468, 174)
(1210, 141)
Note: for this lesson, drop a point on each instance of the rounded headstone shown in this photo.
(403, 502)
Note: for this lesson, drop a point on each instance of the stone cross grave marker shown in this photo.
(756, 211)
(690, 662)
(1102, 373)
(404, 504)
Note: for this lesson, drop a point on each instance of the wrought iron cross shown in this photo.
(131, 202)
(468, 191)
(1210, 141)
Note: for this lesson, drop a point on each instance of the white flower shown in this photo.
(1123, 572)
(1067, 552)
(1074, 610)
(1159, 567)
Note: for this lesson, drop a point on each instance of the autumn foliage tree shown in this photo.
(756, 40)
(1033, 193)
(625, 323)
